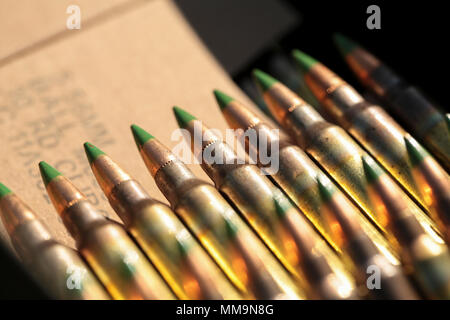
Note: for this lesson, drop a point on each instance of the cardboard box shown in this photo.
(90, 85)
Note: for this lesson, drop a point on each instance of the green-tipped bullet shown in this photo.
(231, 228)
(326, 189)
(263, 80)
(416, 152)
(92, 152)
(282, 206)
(371, 126)
(344, 44)
(304, 61)
(182, 248)
(104, 244)
(160, 234)
(222, 99)
(45, 258)
(182, 116)
(48, 173)
(371, 168)
(4, 190)
(140, 135)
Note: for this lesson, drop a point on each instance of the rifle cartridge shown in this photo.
(241, 255)
(58, 269)
(117, 261)
(271, 214)
(336, 152)
(182, 262)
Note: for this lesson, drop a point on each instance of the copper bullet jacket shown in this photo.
(297, 176)
(291, 238)
(206, 213)
(338, 154)
(59, 270)
(418, 113)
(116, 260)
(182, 262)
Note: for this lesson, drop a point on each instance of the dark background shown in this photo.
(413, 39)
(242, 34)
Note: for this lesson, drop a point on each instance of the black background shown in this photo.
(413, 39)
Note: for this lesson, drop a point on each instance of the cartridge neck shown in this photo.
(173, 179)
(214, 155)
(218, 159)
(79, 218)
(156, 155)
(337, 97)
(200, 137)
(76, 211)
(25, 231)
(264, 143)
(304, 124)
(127, 199)
(281, 101)
(240, 117)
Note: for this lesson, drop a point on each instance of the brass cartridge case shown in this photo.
(241, 255)
(338, 154)
(117, 261)
(277, 221)
(369, 124)
(58, 269)
(427, 259)
(383, 279)
(179, 258)
(297, 176)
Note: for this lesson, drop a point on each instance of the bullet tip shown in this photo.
(140, 135)
(92, 152)
(304, 61)
(48, 173)
(326, 189)
(182, 116)
(182, 247)
(231, 228)
(371, 169)
(344, 44)
(416, 152)
(4, 190)
(222, 99)
(281, 206)
(263, 80)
